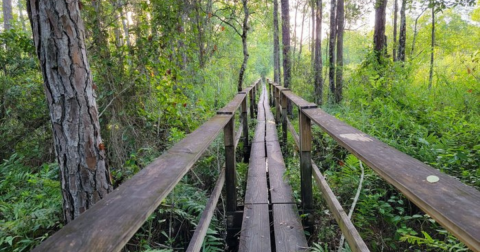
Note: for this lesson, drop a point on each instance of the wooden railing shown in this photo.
(451, 203)
(110, 223)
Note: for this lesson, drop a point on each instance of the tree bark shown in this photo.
(244, 44)
(318, 82)
(201, 50)
(301, 31)
(403, 32)
(379, 40)
(287, 63)
(276, 44)
(59, 37)
(331, 50)
(415, 30)
(312, 3)
(339, 69)
(395, 12)
(7, 14)
(432, 53)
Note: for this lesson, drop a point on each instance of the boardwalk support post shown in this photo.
(277, 106)
(229, 140)
(252, 104)
(284, 100)
(305, 161)
(246, 152)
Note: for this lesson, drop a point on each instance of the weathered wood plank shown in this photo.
(298, 101)
(289, 234)
(202, 227)
(305, 161)
(255, 234)
(348, 229)
(230, 165)
(124, 210)
(257, 190)
(280, 190)
(451, 203)
(232, 106)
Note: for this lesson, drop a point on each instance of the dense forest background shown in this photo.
(162, 67)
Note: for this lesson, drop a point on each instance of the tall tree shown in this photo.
(59, 37)
(339, 68)
(331, 50)
(20, 15)
(244, 36)
(287, 62)
(7, 14)
(276, 44)
(402, 42)
(318, 54)
(379, 39)
(395, 12)
(313, 4)
(432, 49)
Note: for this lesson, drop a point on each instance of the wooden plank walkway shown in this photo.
(268, 192)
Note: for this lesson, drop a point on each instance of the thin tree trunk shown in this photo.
(331, 50)
(318, 81)
(7, 14)
(295, 33)
(379, 39)
(301, 31)
(244, 44)
(20, 15)
(312, 3)
(201, 50)
(403, 32)
(276, 44)
(415, 31)
(286, 49)
(432, 53)
(395, 12)
(339, 69)
(59, 37)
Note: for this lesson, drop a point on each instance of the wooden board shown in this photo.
(288, 230)
(255, 235)
(110, 223)
(257, 190)
(259, 136)
(280, 190)
(232, 106)
(298, 101)
(450, 202)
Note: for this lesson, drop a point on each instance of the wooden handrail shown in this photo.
(110, 223)
(451, 203)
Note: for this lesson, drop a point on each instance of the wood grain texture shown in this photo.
(110, 223)
(204, 222)
(232, 106)
(451, 203)
(255, 235)
(288, 230)
(280, 190)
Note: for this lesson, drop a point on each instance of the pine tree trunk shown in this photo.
(379, 39)
(403, 32)
(59, 37)
(201, 51)
(339, 69)
(395, 12)
(276, 44)
(244, 44)
(7, 14)
(318, 55)
(286, 49)
(331, 50)
(432, 53)
(312, 3)
(301, 31)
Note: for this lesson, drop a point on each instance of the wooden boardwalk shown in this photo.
(269, 219)
(268, 192)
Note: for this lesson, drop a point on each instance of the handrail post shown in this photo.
(273, 94)
(269, 86)
(246, 153)
(254, 99)
(283, 99)
(278, 104)
(250, 94)
(229, 140)
(305, 161)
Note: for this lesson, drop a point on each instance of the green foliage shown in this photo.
(30, 204)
